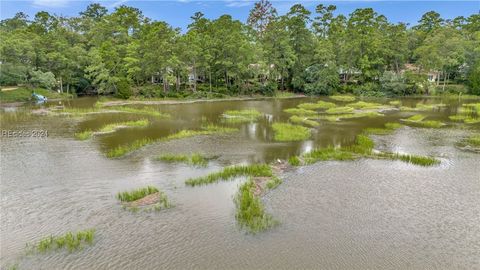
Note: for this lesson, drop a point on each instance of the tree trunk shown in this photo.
(178, 82)
(61, 85)
(445, 75)
(153, 79)
(194, 76)
(210, 79)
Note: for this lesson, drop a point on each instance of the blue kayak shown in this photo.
(39, 97)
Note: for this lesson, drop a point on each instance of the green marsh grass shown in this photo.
(294, 161)
(413, 159)
(130, 196)
(340, 110)
(273, 182)
(288, 132)
(300, 112)
(126, 124)
(71, 240)
(229, 173)
(329, 153)
(142, 111)
(366, 105)
(395, 103)
(418, 120)
(343, 98)
(316, 106)
(474, 140)
(194, 159)
(303, 120)
(84, 135)
(251, 212)
(388, 129)
(207, 129)
(241, 116)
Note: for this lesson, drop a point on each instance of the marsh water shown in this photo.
(362, 214)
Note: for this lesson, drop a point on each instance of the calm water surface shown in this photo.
(363, 214)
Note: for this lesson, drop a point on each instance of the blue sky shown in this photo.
(177, 13)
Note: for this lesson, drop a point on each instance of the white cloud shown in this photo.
(241, 3)
(50, 3)
(116, 4)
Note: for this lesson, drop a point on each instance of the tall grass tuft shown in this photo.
(122, 150)
(288, 132)
(194, 159)
(84, 135)
(251, 213)
(241, 116)
(72, 241)
(414, 159)
(115, 126)
(228, 173)
(303, 120)
(329, 153)
(294, 161)
(130, 196)
(343, 98)
(300, 112)
(474, 140)
(340, 110)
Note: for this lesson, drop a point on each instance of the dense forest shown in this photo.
(125, 53)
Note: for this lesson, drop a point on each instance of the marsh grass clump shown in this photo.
(343, 98)
(413, 159)
(366, 105)
(388, 129)
(339, 117)
(273, 182)
(316, 106)
(142, 111)
(207, 129)
(122, 150)
(288, 132)
(324, 154)
(241, 116)
(303, 120)
(130, 196)
(255, 170)
(395, 103)
(77, 112)
(84, 135)
(418, 120)
(340, 110)
(126, 124)
(194, 159)
(363, 145)
(71, 240)
(294, 161)
(473, 140)
(251, 213)
(300, 112)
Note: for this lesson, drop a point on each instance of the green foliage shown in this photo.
(393, 84)
(329, 153)
(294, 161)
(343, 98)
(418, 120)
(321, 79)
(474, 140)
(84, 135)
(130, 196)
(72, 241)
(339, 110)
(115, 126)
(194, 159)
(123, 89)
(228, 173)
(43, 79)
(288, 132)
(300, 112)
(122, 150)
(251, 213)
(241, 116)
(414, 159)
(25, 94)
(144, 111)
(302, 120)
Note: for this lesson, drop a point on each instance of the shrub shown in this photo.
(392, 84)
(123, 89)
(43, 79)
(321, 79)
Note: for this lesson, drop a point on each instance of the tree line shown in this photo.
(125, 53)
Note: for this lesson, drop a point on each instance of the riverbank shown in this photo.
(14, 96)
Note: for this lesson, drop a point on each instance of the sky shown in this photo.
(177, 13)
